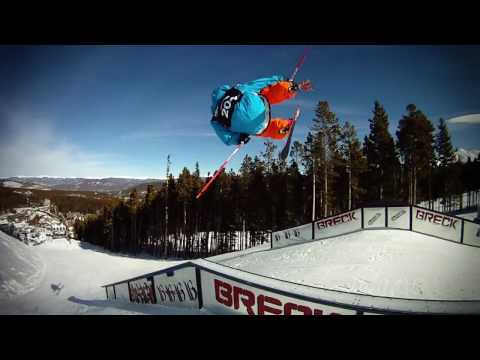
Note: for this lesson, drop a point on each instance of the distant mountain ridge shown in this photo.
(123, 186)
(107, 185)
(463, 155)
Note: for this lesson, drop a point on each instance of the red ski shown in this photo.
(219, 171)
(286, 148)
(299, 64)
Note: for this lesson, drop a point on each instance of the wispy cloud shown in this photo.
(466, 119)
(32, 147)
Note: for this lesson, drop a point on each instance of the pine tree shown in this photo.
(310, 154)
(257, 197)
(379, 149)
(167, 199)
(133, 203)
(298, 189)
(416, 144)
(268, 156)
(326, 131)
(447, 175)
(443, 146)
(296, 154)
(274, 195)
(355, 163)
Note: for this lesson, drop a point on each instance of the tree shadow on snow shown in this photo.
(142, 256)
(145, 309)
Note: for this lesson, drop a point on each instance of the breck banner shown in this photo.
(224, 296)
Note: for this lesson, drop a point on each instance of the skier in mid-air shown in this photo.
(244, 110)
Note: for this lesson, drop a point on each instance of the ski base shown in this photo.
(286, 149)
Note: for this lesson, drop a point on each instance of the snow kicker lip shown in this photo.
(223, 289)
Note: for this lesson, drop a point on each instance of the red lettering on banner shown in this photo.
(419, 215)
(248, 302)
(289, 307)
(264, 308)
(322, 224)
(230, 296)
(436, 219)
(223, 293)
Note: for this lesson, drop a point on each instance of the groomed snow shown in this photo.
(65, 277)
(62, 277)
(469, 216)
(391, 263)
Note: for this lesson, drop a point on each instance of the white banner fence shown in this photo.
(412, 218)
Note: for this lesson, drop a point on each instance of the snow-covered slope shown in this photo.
(21, 268)
(12, 184)
(392, 263)
(62, 277)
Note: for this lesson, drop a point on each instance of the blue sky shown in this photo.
(99, 111)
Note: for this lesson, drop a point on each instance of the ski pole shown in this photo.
(300, 63)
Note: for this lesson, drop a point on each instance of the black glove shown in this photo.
(244, 138)
(294, 87)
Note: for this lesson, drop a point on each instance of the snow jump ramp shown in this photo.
(222, 289)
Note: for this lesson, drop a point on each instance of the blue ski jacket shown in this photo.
(251, 114)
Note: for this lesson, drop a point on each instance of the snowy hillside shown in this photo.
(21, 269)
(12, 184)
(463, 155)
(107, 185)
(60, 277)
(23, 185)
(391, 263)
